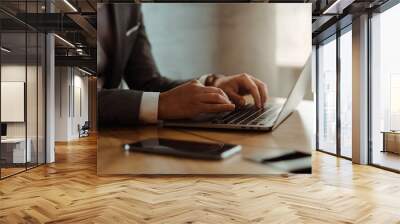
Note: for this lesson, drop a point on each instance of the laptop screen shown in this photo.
(297, 94)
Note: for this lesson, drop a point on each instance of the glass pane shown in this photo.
(14, 152)
(327, 96)
(386, 89)
(32, 85)
(32, 98)
(41, 98)
(346, 93)
(22, 63)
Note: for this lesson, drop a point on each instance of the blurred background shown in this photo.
(269, 41)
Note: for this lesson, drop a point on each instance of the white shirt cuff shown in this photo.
(148, 112)
(203, 79)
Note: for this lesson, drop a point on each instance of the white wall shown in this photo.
(62, 80)
(15, 72)
(269, 41)
(70, 84)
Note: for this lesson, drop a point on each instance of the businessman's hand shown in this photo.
(191, 99)
(236, 86)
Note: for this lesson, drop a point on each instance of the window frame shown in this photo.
(334, 37)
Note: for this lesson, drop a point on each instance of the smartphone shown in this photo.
(287, 160)
(180, 148)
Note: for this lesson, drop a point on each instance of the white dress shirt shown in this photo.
(148, 112)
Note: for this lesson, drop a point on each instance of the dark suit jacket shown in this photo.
(124, 52)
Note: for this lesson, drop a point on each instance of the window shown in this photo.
(327, 96)
(385, 87)
(333, 137)
(394, 101)
(346, 93)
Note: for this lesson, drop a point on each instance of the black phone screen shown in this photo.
(180, 148)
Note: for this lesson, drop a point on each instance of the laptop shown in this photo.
(250, 117)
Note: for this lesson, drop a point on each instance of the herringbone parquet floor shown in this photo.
(70, 192)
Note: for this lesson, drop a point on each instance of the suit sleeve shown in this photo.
(142, 72)
(114, 109)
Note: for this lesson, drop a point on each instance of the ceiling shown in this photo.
(75, 21)
(76, 25)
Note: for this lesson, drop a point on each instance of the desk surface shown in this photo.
(13, 140)
(294, 133)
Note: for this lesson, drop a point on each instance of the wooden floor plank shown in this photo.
(69, 191)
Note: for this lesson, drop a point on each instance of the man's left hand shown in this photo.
(236, 86)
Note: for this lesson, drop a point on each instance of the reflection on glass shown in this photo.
(327, 96)
(385, 84)
(346, 93)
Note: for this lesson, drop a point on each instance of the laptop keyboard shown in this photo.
(249, 115)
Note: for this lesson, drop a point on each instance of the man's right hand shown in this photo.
(191, 99)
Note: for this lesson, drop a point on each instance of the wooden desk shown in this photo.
(295, 133)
